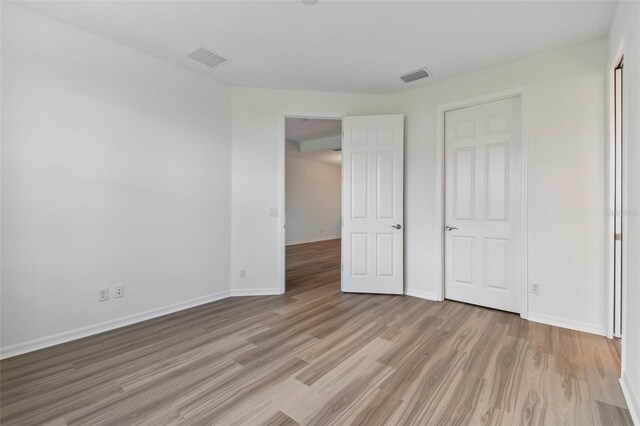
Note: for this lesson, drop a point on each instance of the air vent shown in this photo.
(207, 57)
(415, 75)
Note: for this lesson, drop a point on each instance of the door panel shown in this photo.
(483, 204)
(385, 185)
(384, 254)
(497, 181)
(359, 252)
(464, 186)
(496, 263)
(463, 259)
(372, 246)
(359, 185)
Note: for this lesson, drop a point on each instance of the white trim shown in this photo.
(632, 397)
(313, 240)
(82, 332)
(267, 291)
(440, 181)
(610, 194)
(428, 295)
(609, 266)
(565, 323)
(79, 333)
(281, 189)
(524, 207)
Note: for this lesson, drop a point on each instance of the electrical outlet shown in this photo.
(103, 294)
(119, 291)
(273, 212)
(535, 288)
(243, 273)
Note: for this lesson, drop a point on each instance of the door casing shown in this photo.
(281, 188)
(440, 190)
(610, 200)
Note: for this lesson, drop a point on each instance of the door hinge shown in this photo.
(342, 267)
(618, 237)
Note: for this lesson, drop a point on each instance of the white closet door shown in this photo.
(483, 152)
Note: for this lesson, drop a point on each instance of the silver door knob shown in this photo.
(450, 228)
(398, 226)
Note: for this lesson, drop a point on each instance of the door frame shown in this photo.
(282, 158)
(440, 182)
(610, 196)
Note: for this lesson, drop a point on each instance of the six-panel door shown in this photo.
(372, 204)
(483, 204)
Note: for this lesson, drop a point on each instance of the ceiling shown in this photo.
(301, 130)
(350, 46)
(307, 129)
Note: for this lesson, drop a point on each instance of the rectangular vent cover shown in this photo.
(206, 57)
(416, 75)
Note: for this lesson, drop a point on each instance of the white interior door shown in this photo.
(372, 204)
(483, 153)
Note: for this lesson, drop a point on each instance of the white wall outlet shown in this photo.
(103, 294)
(273, 212)
(535, 288)
(119, 291)
(243, 273)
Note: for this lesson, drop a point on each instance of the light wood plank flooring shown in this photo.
(316, 356)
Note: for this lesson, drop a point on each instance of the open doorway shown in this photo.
(312, 206)
(617, 190)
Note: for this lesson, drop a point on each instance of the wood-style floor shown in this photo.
(318, 356)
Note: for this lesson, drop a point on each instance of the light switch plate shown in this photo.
(103, 294)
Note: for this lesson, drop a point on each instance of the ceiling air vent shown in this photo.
(206, 57)
(415, 75)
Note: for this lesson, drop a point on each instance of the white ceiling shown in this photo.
(352, 46)
(302, 130)
(306, 129)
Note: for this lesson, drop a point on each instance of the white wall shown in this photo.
(115, 170)
(257, 156)
(566, 114)
(625, 32)
(565, 92)
(312, 200)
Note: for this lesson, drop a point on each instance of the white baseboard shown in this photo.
(254, 291)
(429, 295)
(314, 240)
(564, 323)
(632, 397)
(79, 333)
